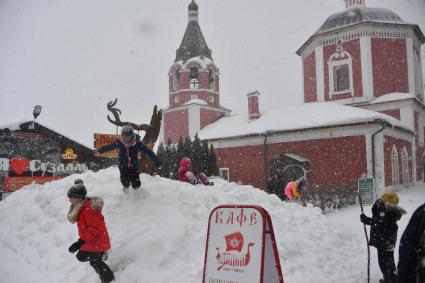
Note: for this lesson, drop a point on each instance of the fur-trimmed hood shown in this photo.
(96, 204)
(395, 208)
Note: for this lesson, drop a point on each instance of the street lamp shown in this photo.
(35, 113)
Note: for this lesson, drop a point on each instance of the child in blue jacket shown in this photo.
(129, 146)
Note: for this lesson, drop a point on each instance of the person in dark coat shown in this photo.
(411, 264)
(93, 242)
(383, 232)
(129, 146)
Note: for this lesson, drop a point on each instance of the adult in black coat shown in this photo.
(411, 264)
(383, 232)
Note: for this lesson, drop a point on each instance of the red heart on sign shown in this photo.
(19, 165)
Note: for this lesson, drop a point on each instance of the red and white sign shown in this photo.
(241, 246)
(19, 165)
(105, 139)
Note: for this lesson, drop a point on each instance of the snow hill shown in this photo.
(159, 233)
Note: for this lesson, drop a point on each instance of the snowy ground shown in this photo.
(159, 233)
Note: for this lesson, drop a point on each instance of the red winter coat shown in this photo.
(184, 168)
(92, 228)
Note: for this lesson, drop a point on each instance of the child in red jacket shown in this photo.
(93, 244)
(186, 174)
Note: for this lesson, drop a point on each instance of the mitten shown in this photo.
(76, 246)
(363, 218)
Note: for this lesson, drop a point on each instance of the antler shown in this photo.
(117, 112)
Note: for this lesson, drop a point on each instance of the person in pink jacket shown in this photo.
(288, 191)
(186, 174)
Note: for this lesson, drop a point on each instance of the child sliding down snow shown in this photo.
(186, 174)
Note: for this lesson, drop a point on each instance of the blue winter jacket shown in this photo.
(128, 155)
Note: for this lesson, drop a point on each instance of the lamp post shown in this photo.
(36, 112)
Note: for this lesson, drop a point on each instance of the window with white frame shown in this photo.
(211, 99)
(405, 166)
(394, 167)
(340, 73)
(176, 99)
(224, 173)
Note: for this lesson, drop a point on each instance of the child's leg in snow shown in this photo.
(191, 177)
(203, 178)
(135, 177)
(124, 176)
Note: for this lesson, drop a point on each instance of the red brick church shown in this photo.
(363, 113)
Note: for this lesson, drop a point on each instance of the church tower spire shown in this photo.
(194, 89)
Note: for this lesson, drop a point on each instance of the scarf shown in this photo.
(74, 211)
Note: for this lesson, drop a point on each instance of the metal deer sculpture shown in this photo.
(152, 132)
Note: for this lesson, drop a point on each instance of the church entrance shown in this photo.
(283, 169)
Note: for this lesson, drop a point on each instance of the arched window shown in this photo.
(211, 84)
(340, 67)
(194, 81)
(394, 167)
(405, 166)
(176, 80)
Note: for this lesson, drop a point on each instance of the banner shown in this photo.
(105, 139)
(11, 184)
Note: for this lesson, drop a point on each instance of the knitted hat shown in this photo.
(390, 198)
(77, 191)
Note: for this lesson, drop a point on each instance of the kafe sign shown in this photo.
(241, 246)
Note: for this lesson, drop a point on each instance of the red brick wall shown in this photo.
(333, 160)
(310, 89)
(388, 146)
(389, 66)
(176, 125)
(353, 48)
(209, 116)
(392, 112)
(245, 164)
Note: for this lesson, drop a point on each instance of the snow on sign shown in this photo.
(241, 246)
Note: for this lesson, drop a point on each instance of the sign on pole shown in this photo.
(241, 246)
(366, 188)
(105, 139)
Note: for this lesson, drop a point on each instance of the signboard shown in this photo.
(11, 184)
(366, 189)
(241, 246)
(69, 154)
(105, 139)
(21, 165)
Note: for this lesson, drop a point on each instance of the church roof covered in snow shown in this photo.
(193, 43)
(359, 14)
(295, 118)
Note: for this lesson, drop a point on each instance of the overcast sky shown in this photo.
(73, 56)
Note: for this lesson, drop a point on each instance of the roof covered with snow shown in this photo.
(359, 14)
(196, 101)
(20, 125)
(302, 117)
(395, 96)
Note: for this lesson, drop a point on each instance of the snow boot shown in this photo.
(125, 190)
